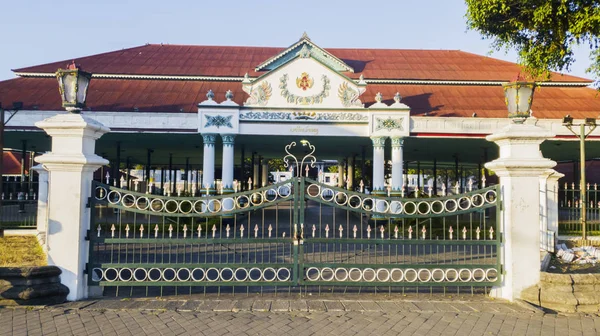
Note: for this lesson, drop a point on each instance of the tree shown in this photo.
(543, 32)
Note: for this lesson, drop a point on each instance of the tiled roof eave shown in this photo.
(239, 79)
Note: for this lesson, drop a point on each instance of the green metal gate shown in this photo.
(297, 234)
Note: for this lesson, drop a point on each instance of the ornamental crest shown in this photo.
(304, 82)
(304, 100)
(348, 96)
(260, 95)
(389, 124)
(218, 121)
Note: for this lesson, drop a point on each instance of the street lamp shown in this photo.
(73, 85)
(518, 98)
(591, 123)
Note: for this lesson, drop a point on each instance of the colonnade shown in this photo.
(379, 164)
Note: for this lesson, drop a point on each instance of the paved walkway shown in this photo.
(293, 316)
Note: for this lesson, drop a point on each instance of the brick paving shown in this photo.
(292, 316)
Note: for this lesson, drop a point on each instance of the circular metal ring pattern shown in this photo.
(128, 201)
(396, 207)
(198, 274)
(411, 275)
(154, 274)
(378, 203)
(354, 274)
(269, 274)
(397, 275)
(358, 203)
(255, 274)
(466, 200)
(312, 193)
(226, 274)
(241, 271)
(490, 196)
(287, 191)
(213, 208)
(366, 206)
(369, 275)
(383, 274)
(313, 274)
(453, 208)
(97, 274)
(494, 276)
(169, 274)
(287, 274)
(437, 207)
(337, 198)
(422, 278)
(477, 200)
(188, 207)
(327, 274)
(426, 211)
(407, 210)
(183, 274)
(214, 272)
(451, 275)
(230, 201)
(171, 206)
(140, 274)
(343, 272)
(465, 275)
(478, 275)
(145, 200)
(327, 195)
(200, 207)
(242, 205)
(125, 274)
(270, 195)
(100, 193)
(111, 197)
(255, 197)
(157, 205)
(111, 274)
(438, 275)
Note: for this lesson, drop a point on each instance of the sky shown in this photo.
(35, 32)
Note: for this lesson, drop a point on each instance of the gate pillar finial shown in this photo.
(519, 167)
(71, 165)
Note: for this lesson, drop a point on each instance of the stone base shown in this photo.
(31, 286)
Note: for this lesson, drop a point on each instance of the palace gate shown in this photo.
(297, 235)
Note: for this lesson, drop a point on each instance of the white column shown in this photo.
(71, 165)
(265, 172)
(255, 172)
(378, 165)
(341, 176)
(552, 206)
(397, 157)
(350, 177)
(227, 180)
(42, 202)
(208, 163)
(519, 167)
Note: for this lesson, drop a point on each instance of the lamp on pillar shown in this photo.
(582, 135)
(518, 98)
(73, 84)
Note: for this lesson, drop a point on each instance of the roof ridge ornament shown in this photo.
(304, 52)
(304, 37)
(210, 95)
(246, 79)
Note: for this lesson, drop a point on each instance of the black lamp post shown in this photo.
(591, 123)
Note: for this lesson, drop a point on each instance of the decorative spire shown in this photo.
(210, 95)
(229, 95)
(378, 97)
(246, 79)
(361, 80)
(304, 37)
(397, 97)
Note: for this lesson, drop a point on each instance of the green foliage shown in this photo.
(543, 32)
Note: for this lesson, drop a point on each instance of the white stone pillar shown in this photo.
(208, 163)
(255, 173)
(71, 165)
(228, 147)
(378, 165)
(341, 176)
(265, 172)
(552, 192)
(397, 157)
(42, 202)
(350, 177)
(519, 167)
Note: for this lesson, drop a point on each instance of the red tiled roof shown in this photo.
(175, 96)
(12, 163)
(182, 60)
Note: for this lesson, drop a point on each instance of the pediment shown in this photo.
(304, 81)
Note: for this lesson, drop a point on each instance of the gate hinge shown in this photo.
(502, 270)
(87, 234)
(85, 270)
(502, 237)
(89, 202)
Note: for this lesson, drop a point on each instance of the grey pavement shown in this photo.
(255, 315)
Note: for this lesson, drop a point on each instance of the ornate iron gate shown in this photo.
(294, 234)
